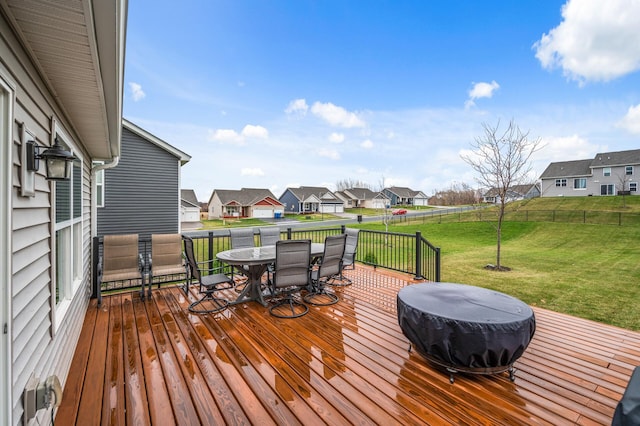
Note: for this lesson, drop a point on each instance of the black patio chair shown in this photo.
(208, 284)
(242, 238)
(348, 259)
(291, 274)
(329, 266)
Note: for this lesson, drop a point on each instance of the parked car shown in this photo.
(399, 211)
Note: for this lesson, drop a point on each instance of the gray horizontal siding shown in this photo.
(142, 192)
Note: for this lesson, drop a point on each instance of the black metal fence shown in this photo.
(409, 253)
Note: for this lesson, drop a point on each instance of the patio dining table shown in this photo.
(256, 259)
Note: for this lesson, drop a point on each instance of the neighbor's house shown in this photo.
(402, 196)
(61, 77)
(246, 202)
(141, 194)
(190, 207)
(606, 174)
(364, 198)
(514, 193)
(311, 199)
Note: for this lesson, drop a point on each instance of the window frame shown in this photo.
(606, 171)
(628, 170)
(67, 236)
(633, 186)
(100, 177)
(581, 180)
(608, 185)
(561, 183)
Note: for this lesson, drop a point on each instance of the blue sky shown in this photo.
(275, 93)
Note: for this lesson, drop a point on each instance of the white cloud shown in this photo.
(481, 90)
(233, 137)
(251, 131)
(336, 137)
(631, 121)
(367, 144)
(137, 92)
(226, 135)
(297, 106)
(596, 40)
(329, 153)
(336, 115)
(251, 172)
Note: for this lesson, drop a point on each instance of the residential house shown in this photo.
(514, 193)
(607, 173)
(190, 207)
(402, 196)
(245, 202)
(367, 198)
(61, 77)
(141, 194)
(311, 199)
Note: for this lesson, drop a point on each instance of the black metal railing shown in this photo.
(409, 253)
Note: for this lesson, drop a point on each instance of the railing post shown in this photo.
(94, 276)
(418, 255)
(437, 264)
(288, 233)
(343, 229)
(210, 244)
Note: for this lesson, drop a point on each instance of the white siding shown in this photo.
(36, 347)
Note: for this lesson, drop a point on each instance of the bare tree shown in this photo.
(502, 160)
(622, 179)
(349, 183)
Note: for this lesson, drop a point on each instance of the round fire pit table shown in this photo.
(465, 328)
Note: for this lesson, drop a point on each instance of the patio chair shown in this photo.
(269, 236)
(208, 284)
(293, 258)
(120, 261)
(242, 238)
(349, 258)
(166, 257)
(329, 266)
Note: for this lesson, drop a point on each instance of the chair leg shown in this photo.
(217, 304)
(319, 296)
(292, 304)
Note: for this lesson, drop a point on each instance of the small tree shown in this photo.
(502, 160)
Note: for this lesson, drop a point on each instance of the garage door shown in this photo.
(262, 213)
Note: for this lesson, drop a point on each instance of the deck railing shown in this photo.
(409, 253)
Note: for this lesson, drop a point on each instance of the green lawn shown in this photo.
(590, 271)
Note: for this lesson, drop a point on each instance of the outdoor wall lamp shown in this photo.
(57, 160)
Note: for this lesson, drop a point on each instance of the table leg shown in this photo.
(251, 291)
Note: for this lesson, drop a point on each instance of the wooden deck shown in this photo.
(154, 363)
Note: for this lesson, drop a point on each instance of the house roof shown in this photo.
(183, 157)
(361, 193)
(566, 169)
(319, 192)
(404, 192)
(244, 196)
(189, 195)
(78, 49)
(618, 158)
(514, 189)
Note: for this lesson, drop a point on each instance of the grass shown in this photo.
(589, 271)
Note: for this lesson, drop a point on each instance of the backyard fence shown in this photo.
(409, 253)
(595, 217)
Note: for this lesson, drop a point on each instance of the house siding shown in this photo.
(36, 348)
(290, 202)
(142, 193)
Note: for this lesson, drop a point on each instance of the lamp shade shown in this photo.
(58, 162)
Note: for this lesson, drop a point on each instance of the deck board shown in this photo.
(152, 362)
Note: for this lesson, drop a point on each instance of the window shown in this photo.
(628, 170)
(606, 171)
(607, 189)
(68, 237)
(580, 183)
(561, 182)
(633, 186)
(99, 185)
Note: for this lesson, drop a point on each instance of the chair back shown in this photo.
(332, 258)
(351, 246)
(120, 256)
(192, 263)
(269, 236)
(292, 267)
(241, 238)
(166, 252)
